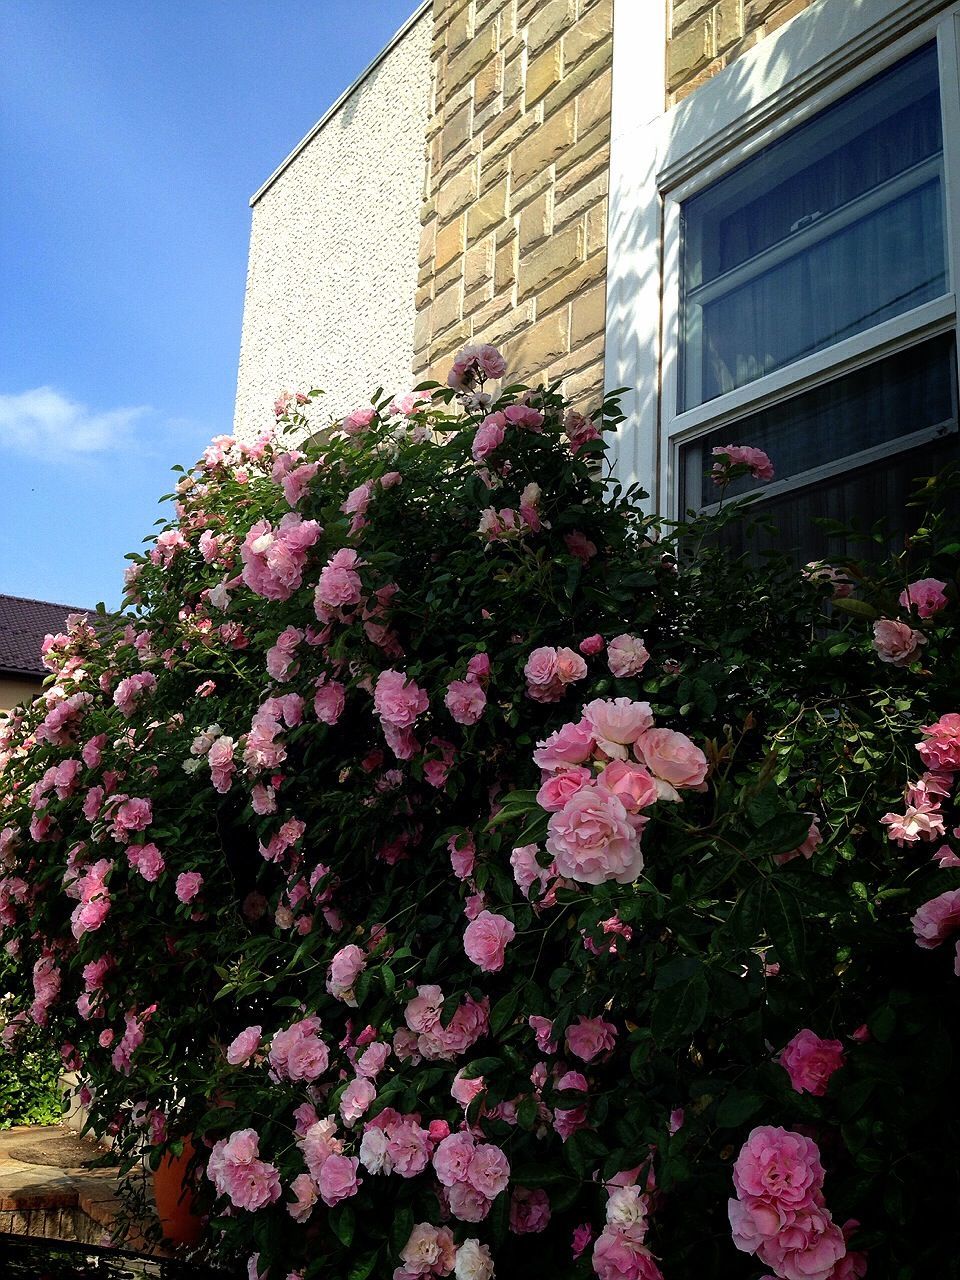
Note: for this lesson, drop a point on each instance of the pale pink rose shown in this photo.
(338, 1179)
(570, 666)
(778, 1166)
(463, 855)
(397, 700)
(807, 1248)
(543, 1031)
(305, 1190)
(467, 1203)
(473, 1262)
(429, 1251)
(345, 967)
(937, 919)
(592, 839)
(896, 642)
(567, 1120)
(806, 850)
(92, 752)
(925, 823)
(590, 1037)
(319, 1139)
(810, 1062)
(355, 1100)
(188, 885)
(619, 1255)
(451, 1160)
(148, 860)
(560, 786)
(130, 691)
(466, 701)
(274, 559)
(541, 668)
(485, 940)
(582, 1235)
(328, 700)
(357, 500)
(926, 595)
(488, 1171)
(463, 1091)
(529, 1211)
(627, 656)
(619, 721)
(579, 430)
(475, 364)
(132, 814)
(489, 437)
(242, 1048)
(298, 1053)
(236, 1171)
(569, 745)
(633, 785)
(945, 857)
(527, 870)
(373, 1059)
(941, 751)
(408, 1147)
(732, 455)
(672, 757)
(339, 584)
(423, 1011)
(358, 421)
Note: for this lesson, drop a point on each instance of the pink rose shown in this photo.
(592, 839)
(810, 1062)
(345, 967)
(778, 1166)
(925, 595)
(560, 786)
(305, 1190)
(463, 1091)
(590, 1037)
(328, 700)
(633, 786)
(429, 1251)
(627, 655)
(397, 700)
(355, 1100)
(298, 1053)
(485, 940)
(338, 1179)
(570, 666)
(941, 751)
(619, 1255)
(474, 364)
(488, 1171)
(339, 584)
(489, 437)
(188, 885)
(373, 1059)
(572, 744)
(806, 850)
(808, 1248)
(567, 1120)
(740, 455)
(463, 855)
(543, 1031)
(451, 1160)
(242, 1048)
(529, 1211)
(937, 919)
(672, 757)
(896, 642)
(590, 646)
(617, 721)
(466, 701)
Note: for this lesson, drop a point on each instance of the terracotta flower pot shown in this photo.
(174, 1198)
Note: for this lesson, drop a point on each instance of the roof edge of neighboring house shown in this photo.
(414, 18)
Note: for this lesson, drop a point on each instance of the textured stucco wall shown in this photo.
(14, 691)
(333, 249)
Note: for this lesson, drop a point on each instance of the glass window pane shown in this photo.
(914, 390)
(829, 231)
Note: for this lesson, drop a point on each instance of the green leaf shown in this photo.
(680, 1014)
(480, 1067)
(744, 919)
(363, 1266)
(402, 1226)
(737, 1107)
(503, 1012)
(342, 1221)
(859, 608)
(783, 921)
(784, 833)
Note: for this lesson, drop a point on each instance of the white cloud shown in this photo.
(47, 424)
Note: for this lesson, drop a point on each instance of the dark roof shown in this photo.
(23, 625)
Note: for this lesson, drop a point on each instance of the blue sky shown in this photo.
(132, 134)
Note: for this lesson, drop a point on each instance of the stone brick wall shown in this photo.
(704, 36)
(514, 223)
(333, 248)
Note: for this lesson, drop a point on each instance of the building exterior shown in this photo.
(745, 212)
(23, 626)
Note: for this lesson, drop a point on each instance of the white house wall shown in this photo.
(333, 249)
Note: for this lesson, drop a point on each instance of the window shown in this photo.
(807, 203)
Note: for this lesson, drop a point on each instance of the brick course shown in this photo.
(704, 36)
(520, 128)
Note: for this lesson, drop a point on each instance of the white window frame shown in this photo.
(819, 57)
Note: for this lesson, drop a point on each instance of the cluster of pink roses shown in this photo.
(399, 702)
(620, 1252)
(235, 1169)
(740, 455)
(466, 699)
(426, 1034)
(431, 1251)
(595, 791)
(472, 1174)
(897, 642)
(274, 559)
(780, 1214)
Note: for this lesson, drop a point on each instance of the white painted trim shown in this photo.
(331, 111)
(632, 349)
(949, 51)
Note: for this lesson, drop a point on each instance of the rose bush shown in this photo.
(494, 880)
